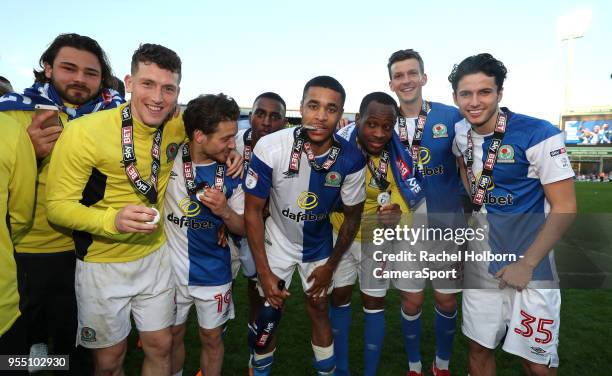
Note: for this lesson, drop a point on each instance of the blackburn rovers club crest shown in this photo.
(171, 151)
(88, 334)
(505, 154)
(440, 130)
(333, 179)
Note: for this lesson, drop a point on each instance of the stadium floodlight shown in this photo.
(571, 26)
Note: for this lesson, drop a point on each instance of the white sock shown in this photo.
(416, 367)
(441, 363)
(321, 353)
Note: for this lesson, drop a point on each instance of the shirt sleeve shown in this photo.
(22, 185)
(548, 160)
(258, 180)
(236, 200)
(353, 188)
(72, 162)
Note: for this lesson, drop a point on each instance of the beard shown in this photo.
(79, 97)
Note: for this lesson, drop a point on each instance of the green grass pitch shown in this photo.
(586, 316)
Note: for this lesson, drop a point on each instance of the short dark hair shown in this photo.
(273, 96)
(80, 42)
(162, 56)
(402, 55)
(379, 97)
(325, 82)
(484, 63)
(207, 111)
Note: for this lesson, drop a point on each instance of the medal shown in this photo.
(156, 219)
(383, 198)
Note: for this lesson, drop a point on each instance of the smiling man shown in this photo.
(391, 194)
(202, 202)
(108, 172)
(304, 171)
(427, 131)
(504, 154)
(75, 77)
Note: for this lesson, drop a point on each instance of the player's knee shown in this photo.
(412, 302)
(158, 345)
(479, 353)
(341, 296)
(373, 302)
(211, 339)
(109, 361)
(317, 306)
(446, 303)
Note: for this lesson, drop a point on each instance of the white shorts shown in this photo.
(529, 319)
(283, 266)
(377, 287)
(107, 292)
(214, 304)
(347, 269)
(235, 257)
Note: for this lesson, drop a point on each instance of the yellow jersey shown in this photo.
(87, 163)
(42, 237)
(370, 206)
(17, 182)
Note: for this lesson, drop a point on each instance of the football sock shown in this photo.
(374, 336)
(445, 326)
(324, 359)
(262, 363)
(411, 329)
(340, 318)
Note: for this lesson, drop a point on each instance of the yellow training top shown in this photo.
(370, 207)
(42, 237)
(17, 181)
(87, 164)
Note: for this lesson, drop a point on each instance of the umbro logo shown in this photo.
(173, 175)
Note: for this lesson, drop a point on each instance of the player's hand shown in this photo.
(389, 214)
(43, 139)
(321, 278)
(133, 218)
(216, 201)
(343, 122)
(516, 275)
(234, 164)
(274, 296)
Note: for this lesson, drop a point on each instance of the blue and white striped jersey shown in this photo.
(300, 203)
(192, 230)
(532, 154)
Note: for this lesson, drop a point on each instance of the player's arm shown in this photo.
(72, 162)
(253, 217)
(257, 186)
(562, 199)
(553, 167)
(21, 187)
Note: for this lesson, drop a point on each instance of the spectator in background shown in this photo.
(118, 86)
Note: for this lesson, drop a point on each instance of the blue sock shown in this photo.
(446, 326)
(262, 364)
(340, 318)
(326, 366)
(374, 336)
(411, 329)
